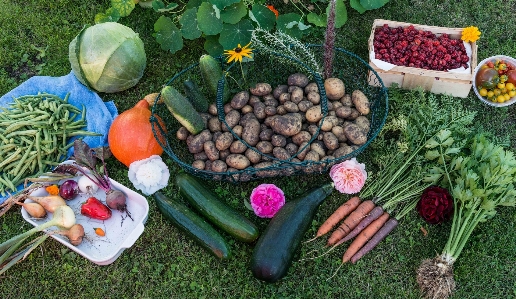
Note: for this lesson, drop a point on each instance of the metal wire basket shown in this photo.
(274, 68)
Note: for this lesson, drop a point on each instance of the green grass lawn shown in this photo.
(164, 263)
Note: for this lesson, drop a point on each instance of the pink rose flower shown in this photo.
(348, 176)
(266, 200)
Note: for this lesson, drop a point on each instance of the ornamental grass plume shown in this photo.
(266, 200)
(349, 176)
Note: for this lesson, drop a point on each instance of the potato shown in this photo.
(199, 164)
(290, 107)
(214, 124)
(291, 148)
(284, 97)
(343, 150)
(296, 95)
(298, 79)
(314, 114)
(227, 108)
(305, 148)
(280, 110)
(240, 99)
(318, 148)
(238, 130)
(200, 156)
(215, 135)
(253, 100)
(304, 105)
(338, 131)
(251, 132)
(237, 147)
(334, 88)
(361, 102)
(253, 156)
(237, 161)
(265, 147)
(189, 139)
(335, 105)
(269, 100)
(311, 156)
(311, 87)
(224, 154)
(266, 134)
(280, 153)
(219, 166)
(278, 140)
(245, 118)
(343, 111)
(269, 119)
(261, 89)
(287, 125)
(212, 109)
(301, 137)
(265, 173)
(247, 109)
(259, 110)
(363, 123)
(280, 89)
(224, 141)
(270, 110)
(232, 119)
(197, 143)
(330, 141)
(207, 165)
(313, 129)
(328, 123)
(182, 133)
(346, 100)
(211, 151)
(354, 114)
(354, 134)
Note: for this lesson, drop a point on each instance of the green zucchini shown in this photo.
(195, 96)
(206, 203)
(275, 249)
(182, 110)
(192, 225)
(211, 72)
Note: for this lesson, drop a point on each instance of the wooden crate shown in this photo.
(440, 82)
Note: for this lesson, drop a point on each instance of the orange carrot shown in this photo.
(344, 210)
(364, 236)
(351, 221)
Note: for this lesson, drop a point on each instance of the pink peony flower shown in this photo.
(266, 200)
(348, 176)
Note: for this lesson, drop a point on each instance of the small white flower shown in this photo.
(149, 175)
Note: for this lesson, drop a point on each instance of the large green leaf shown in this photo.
(221, 4)
(373, 4)
(188, 23)
(357, 6)
(160, 6)
(317, 20)
(341, 13)
(290, 24)
(234, 13)
(212, 45)
(265, 18)
(124, 7)
(168, 35)
(194, 3)
(234, 34)
(207, 19)
(111, 15)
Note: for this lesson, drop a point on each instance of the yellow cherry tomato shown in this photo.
(500, 99)
(507, 96)
(503, 90)
(509, 86)
(501, 85)
(490, 94)
(483, 92)
(512, 93)
(497, 92)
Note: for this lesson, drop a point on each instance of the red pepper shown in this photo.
(95, 209)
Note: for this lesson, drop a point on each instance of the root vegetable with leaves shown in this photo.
(481, 179)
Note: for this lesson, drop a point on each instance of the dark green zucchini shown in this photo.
(206, 203)
(195, 96)
(192, 225)
(275, 249)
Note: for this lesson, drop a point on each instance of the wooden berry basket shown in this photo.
(439, 82)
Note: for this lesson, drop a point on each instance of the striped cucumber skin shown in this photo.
(182, 110)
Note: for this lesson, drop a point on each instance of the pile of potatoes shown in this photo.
(280, 122)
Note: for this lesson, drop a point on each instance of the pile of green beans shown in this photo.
(34, 135)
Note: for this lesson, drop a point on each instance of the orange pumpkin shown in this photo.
(130, 136)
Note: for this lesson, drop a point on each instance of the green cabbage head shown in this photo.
(107, 57)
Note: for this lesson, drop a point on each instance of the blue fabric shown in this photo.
(99, 114)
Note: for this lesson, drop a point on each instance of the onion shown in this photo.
(86, 185)
(69, 189)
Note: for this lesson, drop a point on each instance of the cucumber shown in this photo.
(275, 249)
(182, 110)
(211, 72)
(195, 96)
(192, 225)
(206, 203)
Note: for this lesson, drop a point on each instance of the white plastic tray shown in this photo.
(119, 234)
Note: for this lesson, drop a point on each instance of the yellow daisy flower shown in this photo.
(238, 53)
(470, 34)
